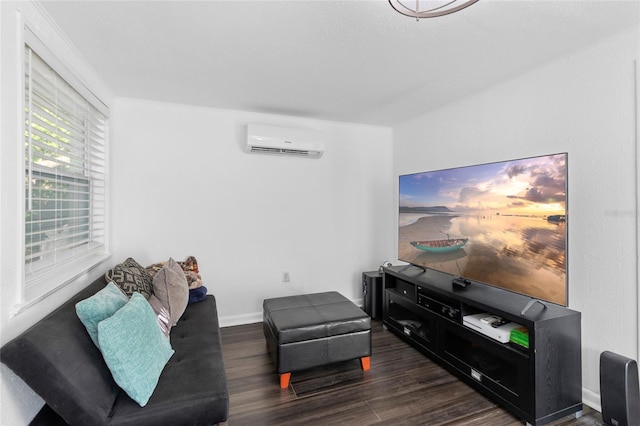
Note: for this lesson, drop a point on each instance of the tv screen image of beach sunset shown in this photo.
(503, 224)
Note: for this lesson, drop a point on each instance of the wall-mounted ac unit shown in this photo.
(264, 139)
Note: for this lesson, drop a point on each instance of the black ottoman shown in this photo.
(310, 330)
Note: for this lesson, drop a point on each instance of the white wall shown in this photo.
(182, 185)
(584, 105)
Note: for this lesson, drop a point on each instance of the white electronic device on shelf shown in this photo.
(490, 325)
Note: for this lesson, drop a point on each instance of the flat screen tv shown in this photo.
(502, 224)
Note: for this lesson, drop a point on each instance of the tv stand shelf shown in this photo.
(538, 384)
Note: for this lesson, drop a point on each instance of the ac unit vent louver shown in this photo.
(263, 139)
(263, 150)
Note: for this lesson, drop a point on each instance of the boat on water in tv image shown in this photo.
(503, 224)
(557, 218)
(440, 246)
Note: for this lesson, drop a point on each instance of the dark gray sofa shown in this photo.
(58, 360)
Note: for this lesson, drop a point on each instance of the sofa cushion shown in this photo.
(134, 348)
(99, 307)
(171, 288)
(131, 278)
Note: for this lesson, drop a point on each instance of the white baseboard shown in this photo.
(240, 319)
(591, 399)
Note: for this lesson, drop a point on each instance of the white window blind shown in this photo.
(65, 169)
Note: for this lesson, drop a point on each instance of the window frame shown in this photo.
(36, 287)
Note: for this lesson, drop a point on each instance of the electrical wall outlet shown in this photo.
(285, 276)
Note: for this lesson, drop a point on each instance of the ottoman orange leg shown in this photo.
(284, 380)
(365, 362)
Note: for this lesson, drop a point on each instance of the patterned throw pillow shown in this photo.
(131, 278)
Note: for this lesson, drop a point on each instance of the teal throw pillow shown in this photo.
(99, 307)
(134, 348)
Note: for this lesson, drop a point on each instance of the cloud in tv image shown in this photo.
(502, 224)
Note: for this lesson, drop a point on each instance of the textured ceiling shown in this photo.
(354, 61)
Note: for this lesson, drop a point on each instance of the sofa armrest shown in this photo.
(59, 361)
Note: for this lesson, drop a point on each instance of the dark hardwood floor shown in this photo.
(403, 387)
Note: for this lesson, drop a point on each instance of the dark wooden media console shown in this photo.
(539, 383)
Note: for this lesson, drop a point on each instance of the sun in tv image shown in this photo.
(502, 224)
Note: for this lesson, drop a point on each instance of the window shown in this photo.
(65, 175)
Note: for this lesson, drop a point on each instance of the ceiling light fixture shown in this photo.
(429, 8)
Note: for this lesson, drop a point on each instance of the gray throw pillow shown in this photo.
(162, 314)
(171, 288)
